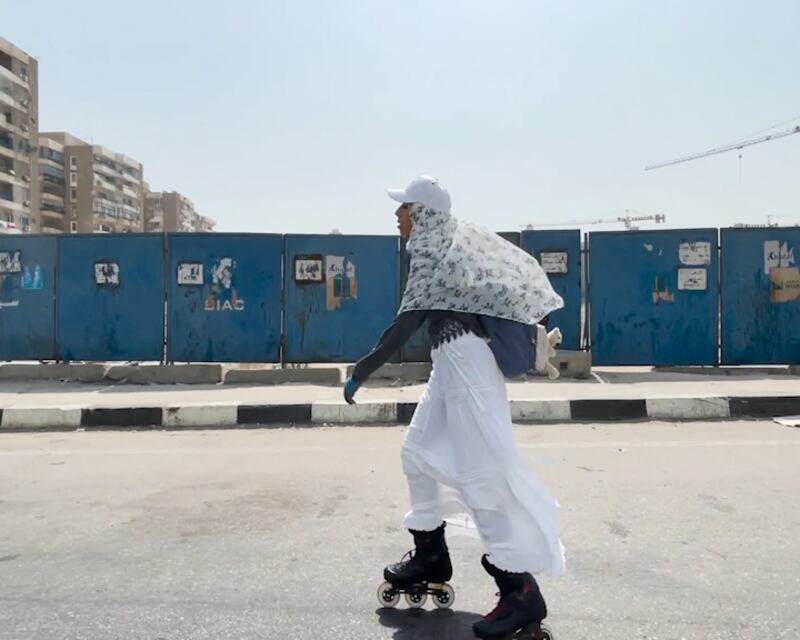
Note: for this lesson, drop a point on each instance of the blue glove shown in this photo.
(350, 388)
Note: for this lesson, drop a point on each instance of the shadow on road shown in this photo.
(419, 624)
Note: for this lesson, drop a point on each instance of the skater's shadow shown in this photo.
(419, 624)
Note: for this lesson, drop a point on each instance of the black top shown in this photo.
(443, 326)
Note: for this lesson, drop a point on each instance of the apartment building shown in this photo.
(205, 224)
(171, 211)
(52, 187)
(19, 139)
(104, 190)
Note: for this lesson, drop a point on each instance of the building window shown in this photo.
(73, 194)
(73, 162)
(73, 227)
(73, 179)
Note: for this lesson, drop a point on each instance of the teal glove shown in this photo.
(350, 388)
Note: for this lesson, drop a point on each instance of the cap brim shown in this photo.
(398, 195)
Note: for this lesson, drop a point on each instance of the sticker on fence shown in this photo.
(340, 281)
(692, 279)
(308, 269)
(695, 254)
(784, 284)
(222, 295)
(777, 256)
(554, 261)
(33, 280)
(10, 262)
(106, 274)
(660, 291)
(190, 274)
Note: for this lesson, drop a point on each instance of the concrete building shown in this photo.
(104, 190)
(52, 187)
(206, 225)
(19, 139)
(171, 211)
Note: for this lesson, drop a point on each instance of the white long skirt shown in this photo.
(463, 466)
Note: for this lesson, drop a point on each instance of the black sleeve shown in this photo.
(394, 337)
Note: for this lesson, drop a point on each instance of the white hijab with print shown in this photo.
(462, 267)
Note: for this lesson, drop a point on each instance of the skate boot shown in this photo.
(422, 571)
(520, 610)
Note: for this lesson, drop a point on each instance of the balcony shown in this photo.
(9, 126)
(104, 169)
(51, 230)
(8, 98)
(104, 184)
(52, 199)
(53, 210)
(13, 179)
(11, 205)
(129, 192)
(132, 210)
(9, 152)
(18, 80)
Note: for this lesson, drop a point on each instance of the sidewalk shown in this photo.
(611, 394)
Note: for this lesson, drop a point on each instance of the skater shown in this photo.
(459, 456)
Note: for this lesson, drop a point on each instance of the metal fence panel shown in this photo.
(111, 300)
(760, 296)
(27, 297)
(340, 293)
(559, 253)
(653, 297)
(224, 297)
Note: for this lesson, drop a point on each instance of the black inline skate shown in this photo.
(422, 571)
(519, 612)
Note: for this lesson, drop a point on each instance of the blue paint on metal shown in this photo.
(340, 318)
(27, 297)
(514, 237)
(760, 297)
(639, 316)
(567, 285)
(123, 321)
(234, 315)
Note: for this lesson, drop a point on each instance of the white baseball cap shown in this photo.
(425, 190)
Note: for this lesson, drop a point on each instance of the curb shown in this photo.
(392, 413)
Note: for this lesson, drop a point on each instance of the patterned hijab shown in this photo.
(463, 267)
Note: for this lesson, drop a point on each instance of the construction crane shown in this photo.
(730, 147)
(627, 220)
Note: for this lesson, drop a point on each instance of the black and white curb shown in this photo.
(339, 413)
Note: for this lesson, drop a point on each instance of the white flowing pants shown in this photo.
(463, 466)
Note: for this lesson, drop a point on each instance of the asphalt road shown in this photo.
(688, 532)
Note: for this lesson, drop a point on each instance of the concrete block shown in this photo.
(343, 413)
(540, 410)
(570, 364)
(573, 364)
(283, 376)
(403, 371)
(220, 415)
(40, 418)
(55, 371)
(166, 374)
(687, 408)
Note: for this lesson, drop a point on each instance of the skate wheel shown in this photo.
(545, 633)
(388, 596)
(444, 597)
(415, 600)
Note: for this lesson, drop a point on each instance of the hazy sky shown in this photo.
(295, 115)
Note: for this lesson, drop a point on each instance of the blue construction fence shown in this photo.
(672, 297)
